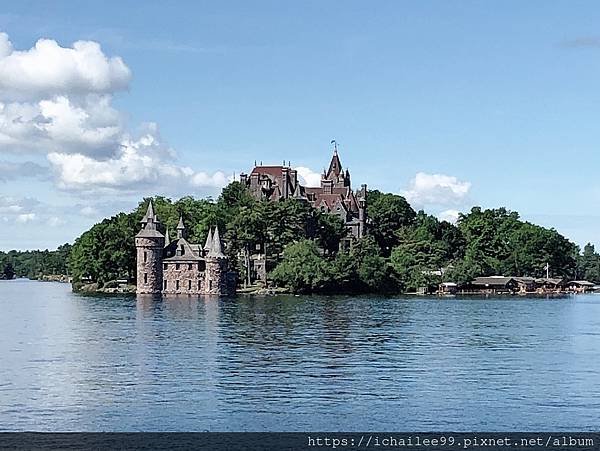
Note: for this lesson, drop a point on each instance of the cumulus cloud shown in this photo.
(89, 211)
(437, 189)
(55, 221)
(25, 217)
(47, 70)
(449, 215)
(138, 163)
(57, 101)
(308, 177)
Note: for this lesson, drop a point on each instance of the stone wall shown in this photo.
(149, 265)
(216, 276)
(190, 274)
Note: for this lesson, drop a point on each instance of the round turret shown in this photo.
(149, 243)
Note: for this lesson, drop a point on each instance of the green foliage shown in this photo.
(330, 230)
(106, 251)
(9, 272)
(302, 268)
(387, 214)
(403, 250)
(498, 242)
(588, 264)
(34, 264)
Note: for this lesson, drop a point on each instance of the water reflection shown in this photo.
(295, 363)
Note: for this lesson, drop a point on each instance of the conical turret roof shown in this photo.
(209, 240)
(149, 213)
(216, 250)
(167, 238)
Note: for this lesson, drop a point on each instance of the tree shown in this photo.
(9, 271)
(246, 232)
(302, 268)
(419, 256)
(330, 230)
(588, 265)
(387, 214)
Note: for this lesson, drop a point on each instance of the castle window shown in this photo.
(145, 256)
(176, 265)
(165, 284)
(210, 284)
(165, 266)
(199, 286)
(177, 284)
(201, 265)
(189, 284)
(145, 278)
(189, 266)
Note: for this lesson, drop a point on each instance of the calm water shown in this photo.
(70, 362)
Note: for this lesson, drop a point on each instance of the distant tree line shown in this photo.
(34, 264)
(404, 249)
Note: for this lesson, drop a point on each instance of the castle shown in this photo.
(179, 267)
(334, 196)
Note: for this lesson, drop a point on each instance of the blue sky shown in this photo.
(452, 104)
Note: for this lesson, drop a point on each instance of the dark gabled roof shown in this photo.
(492, 281)
(273, 171)
(551, 281)
(191, 251)
(525, 279)
(583, 283)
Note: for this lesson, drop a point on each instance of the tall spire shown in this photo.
(215, 250)
(149, 222)
(180, 228)
(209, 241)
(150, 219)
(335, 167)
(167, 238)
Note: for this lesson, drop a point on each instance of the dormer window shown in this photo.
(182, 250)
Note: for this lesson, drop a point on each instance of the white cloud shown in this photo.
(48, 69)
(57, 101)
(55, 221)
(89, 211)
(308, 177)
(25, 217)
(10, 205)
(437, 189)
(449, 215)
(141, 162)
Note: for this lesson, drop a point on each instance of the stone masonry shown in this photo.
(180, 267)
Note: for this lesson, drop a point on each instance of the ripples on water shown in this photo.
(74, 363)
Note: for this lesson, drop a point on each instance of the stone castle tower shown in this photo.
(180, 267)
(149, 243)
